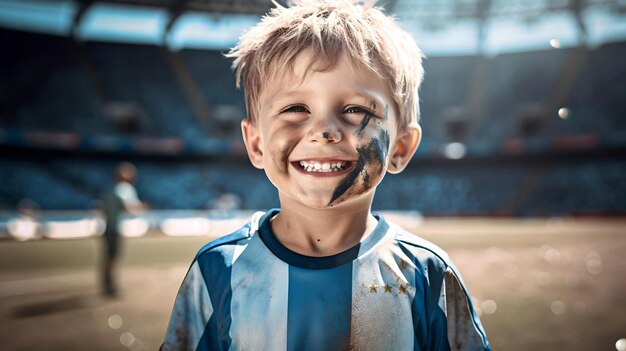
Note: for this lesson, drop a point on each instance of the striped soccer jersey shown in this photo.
(392, 291)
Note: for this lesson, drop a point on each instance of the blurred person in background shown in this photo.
(121, 198)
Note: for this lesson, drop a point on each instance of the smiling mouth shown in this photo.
(326, 167)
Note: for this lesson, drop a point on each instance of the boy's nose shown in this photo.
(332, 136)
(326, 135)
(325, 130)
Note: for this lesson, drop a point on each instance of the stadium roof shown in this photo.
(257, 7)
(440, 26)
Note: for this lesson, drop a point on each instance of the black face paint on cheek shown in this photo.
(374, 152)
(366, 120)
(380, 147)
(325, 135)
(347, 182)
(366, 178)
(386, 137)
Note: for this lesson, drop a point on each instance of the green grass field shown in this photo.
(539, 284)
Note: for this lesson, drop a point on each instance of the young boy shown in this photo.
(331, 92)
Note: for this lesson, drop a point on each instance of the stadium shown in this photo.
(520, 175)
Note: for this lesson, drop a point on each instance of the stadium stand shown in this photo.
(141, 74)
(513, 94)
(215, 79)
(66, 120)
(36, 180)
(45, 86)
(447, 83)
(451, 188)
(587, 187)
(598, 97)
(70, 183)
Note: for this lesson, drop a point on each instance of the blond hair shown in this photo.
(330, 28)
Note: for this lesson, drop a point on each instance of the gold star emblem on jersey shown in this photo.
(388, 288)
(373, 288)
(402, 289)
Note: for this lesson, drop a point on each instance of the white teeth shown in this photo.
(314, 166)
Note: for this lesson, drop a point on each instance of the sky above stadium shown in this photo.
(133, 24)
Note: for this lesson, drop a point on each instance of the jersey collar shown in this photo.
(308, 262)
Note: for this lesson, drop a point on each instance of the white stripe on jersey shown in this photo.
(381, 309)
(257, 301)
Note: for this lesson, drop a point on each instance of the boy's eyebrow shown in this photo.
(286, 94)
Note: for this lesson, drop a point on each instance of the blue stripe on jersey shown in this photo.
(216, 271)
(436, 268)
(319, 308)
(428, 280)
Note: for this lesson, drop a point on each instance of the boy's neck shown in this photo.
(322, 232)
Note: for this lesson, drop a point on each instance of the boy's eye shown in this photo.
(295, 109)
(356, 109)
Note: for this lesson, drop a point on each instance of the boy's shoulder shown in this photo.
(242, 234)
(422, 249)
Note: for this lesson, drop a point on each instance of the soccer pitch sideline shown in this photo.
(540, 284)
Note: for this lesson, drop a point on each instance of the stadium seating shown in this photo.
(44, 86)
(598, 96)
(142, 74)
(78, 183)
(588, 187)
(447, 83)
(485, 102)
(516, 83)
(451, 189)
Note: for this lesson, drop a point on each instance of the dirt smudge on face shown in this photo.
(281, 156)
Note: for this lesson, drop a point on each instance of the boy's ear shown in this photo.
(406, 144)
(252, 140)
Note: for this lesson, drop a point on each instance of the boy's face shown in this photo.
(328, 139)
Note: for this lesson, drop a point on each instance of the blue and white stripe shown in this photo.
(392, 291)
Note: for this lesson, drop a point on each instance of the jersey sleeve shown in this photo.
(191, 312)
(464, 330)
